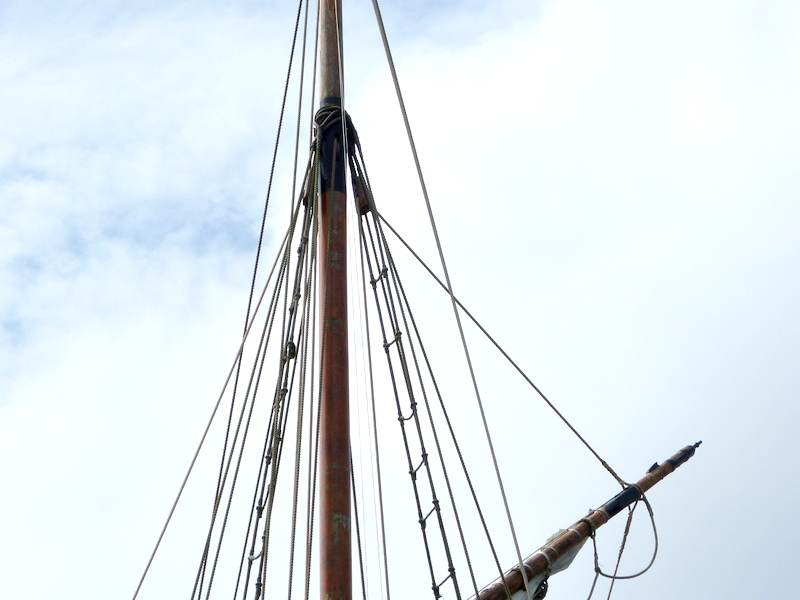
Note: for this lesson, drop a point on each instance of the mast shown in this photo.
(335, 548)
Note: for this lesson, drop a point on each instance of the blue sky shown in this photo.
(617, 191)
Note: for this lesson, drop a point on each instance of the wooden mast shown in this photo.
(335, 546)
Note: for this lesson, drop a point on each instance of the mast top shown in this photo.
(330, 51)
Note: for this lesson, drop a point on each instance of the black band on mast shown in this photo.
(332, 149)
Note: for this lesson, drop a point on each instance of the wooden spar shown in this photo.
(538, 563)
(335, 547)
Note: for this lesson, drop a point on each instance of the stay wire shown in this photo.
(264, 215)
(393, 377)
(250, 395)
(210, 421)
(283, 392)
(273, 457)
(406, 313)
(358, 530)
(359, 165)
(460, 455)
(313, 457)
(260, 357)
(300, 99)
(246, 430)
(508, 358)
(311, 197)
(277, 144)
(391, 308)
(357, 337)
(296, 152)
(260, 363)
(599, 572)
(307, 326)
(201, 570)
(401, 346)
(382, 517)
(314, 452)
(306, 260)
(359, 173)
(247, 317)
(450, 290)
(276, 451)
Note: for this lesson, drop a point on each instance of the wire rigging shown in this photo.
(383, 272)
(507, 357)
(292, 286)
(249, 401)
(424, 190)
(614, 576)
(207, 428)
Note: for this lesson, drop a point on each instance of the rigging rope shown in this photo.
(312, 483)
(406, 338)
(614, 577)
(396, 342)
(423, 187)
(375, 429)
(508, 357)
(252, 389)
(208, 426)
(365, 201)
(383, 279)
(309, 317)
(284, 387)
(360, 180)
(457, 447)
(248, 324)
(358, 530)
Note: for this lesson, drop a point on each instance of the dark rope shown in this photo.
(508, 358)
(614, 577)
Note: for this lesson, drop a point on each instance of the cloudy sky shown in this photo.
(617, 191)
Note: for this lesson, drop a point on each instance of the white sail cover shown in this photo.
(560, 564)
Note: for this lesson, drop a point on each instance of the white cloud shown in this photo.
(631, 168)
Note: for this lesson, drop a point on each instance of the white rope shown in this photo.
(449, 285)
(385, 555)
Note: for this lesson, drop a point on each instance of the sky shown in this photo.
(617, 194)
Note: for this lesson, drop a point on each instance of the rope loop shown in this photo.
(329, 116)
(592, 528)
(599, 572)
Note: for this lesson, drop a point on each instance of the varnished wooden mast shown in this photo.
(335, 547)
